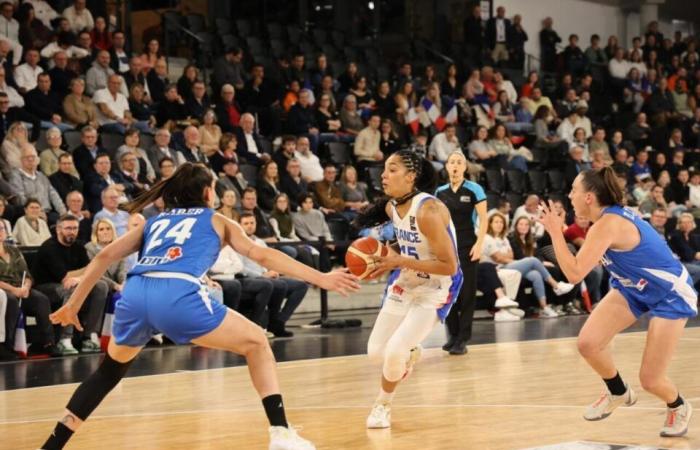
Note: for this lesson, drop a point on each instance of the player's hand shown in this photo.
(385, 263)
(340, 281)
(66, 315)
(553, 222)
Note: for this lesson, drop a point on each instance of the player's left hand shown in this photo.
(339, 281)
(66, 315)
(552, 221)
(384, 263)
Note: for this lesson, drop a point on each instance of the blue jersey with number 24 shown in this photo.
(179, 240)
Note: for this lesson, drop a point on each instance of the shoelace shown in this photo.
(671, 418)
(378, 411)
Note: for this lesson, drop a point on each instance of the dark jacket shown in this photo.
(84, 161)
(244, 154)
(685, 248)
(64, 183)
(300, 119)
(44, 106)
(491, 31)
(95, 184)
(15, 114)
(155, 155)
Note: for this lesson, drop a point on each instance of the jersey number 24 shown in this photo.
(180, 232)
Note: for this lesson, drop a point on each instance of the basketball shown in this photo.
(358, 258)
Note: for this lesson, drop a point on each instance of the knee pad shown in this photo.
(96, 387)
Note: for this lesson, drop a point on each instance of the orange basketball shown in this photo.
(358, 258)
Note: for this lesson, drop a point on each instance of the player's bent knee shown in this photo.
(588, 346)
(650, 380)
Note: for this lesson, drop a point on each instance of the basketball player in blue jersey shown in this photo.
(425, 277)
(645, 277)
(164, 293)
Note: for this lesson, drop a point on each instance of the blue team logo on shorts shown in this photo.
(172, 254)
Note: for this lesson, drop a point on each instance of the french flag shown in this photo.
(452, 115)
(434, 114)
(108, 321)
(412, 120)
(21, 336)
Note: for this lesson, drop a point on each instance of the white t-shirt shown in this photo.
(310, 166)
(117, 105)
(493, 245)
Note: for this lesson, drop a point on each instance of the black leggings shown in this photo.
(459, 321)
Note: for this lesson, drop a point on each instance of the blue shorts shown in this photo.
(670, 307)
(179, 308)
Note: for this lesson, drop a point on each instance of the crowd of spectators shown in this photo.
(296, 150)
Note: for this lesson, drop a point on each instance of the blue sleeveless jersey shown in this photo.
(649, 276)
(179, 240)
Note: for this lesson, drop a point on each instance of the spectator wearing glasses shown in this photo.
(113, 112)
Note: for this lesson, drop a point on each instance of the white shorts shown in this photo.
(399, 299)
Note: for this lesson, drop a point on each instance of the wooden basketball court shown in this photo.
(501, 396)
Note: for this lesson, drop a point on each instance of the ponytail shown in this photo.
(184, 189)
(603, 183)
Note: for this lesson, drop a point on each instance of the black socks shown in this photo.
(274, 408)
(58, 438)
(676, 403)
(615, 385)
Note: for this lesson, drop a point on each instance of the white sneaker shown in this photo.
(380, 416)
(516, 312)
(563, 288)
(416, 353)
(505, 302)
(286, 438)
(607, 403)
(548, 313)
(504, 315)
(677, 420)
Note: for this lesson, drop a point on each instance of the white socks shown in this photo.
(385, 397)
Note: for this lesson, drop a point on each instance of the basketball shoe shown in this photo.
(677, 420)
(606, 404)
(380, 416)
(286, 438)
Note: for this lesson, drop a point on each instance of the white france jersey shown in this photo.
(414, 244)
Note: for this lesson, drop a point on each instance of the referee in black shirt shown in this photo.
(466, 201)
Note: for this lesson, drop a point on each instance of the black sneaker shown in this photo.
(459, 348)
(281, 332)
(450, 342)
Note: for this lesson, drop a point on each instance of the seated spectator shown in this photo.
(59, 265)
(311, 169)
(79, 109)
(161, 149)
(157, 80)
(249, 147)
(660, 104)
(497, 250)
(46, 105)
(210, 134)
(110, 203)
(530, 209)
(16, 283)
(190, 75)
(286, 151)
(16, 100)
(228, 69)
(97, 77)
(197, 101)
(389, 140)
(84, 155)
(118, 57)
(284, 288)
(229, 202)
(500, 142)
(653, 202)
(8, 225)
(171, 112)
(350, 117)
(268, 186)
(598, 160)
(536, 100)
(129, 170)
(135, 75)
(228, 112)
(310, 223)
(151, 54)
(191, 152)
(10, 32)
(65, 180)
(64, 43)
(143, 170)
(230, 178)
(481, 151)
(292, 182)
(329, 196)
(598, 142)
(567, 127)
(301, 119)
(101, 178)
(101, 36)
(113, 113)
(328, 120)
(640, 170)
(684, 241)
(281, 220)
(26, 74)
(103, 234)
(354, 192)
(575, 164)
(84, 41)
(79, 17)
(15, 139)
(291, 96)
(32, 31)
(76, 207)
(366, 150)
(167, 168)
(48, 158)
(139, 106)
(31, 230)
(28, 182)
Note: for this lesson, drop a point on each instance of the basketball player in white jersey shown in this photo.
(425, 276)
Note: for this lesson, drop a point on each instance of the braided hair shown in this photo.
(375, 214)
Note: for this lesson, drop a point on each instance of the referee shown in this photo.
(466, 201)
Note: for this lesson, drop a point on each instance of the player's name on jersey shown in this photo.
(182, 212)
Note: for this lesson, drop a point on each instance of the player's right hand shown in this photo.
(65, 316)
(340, 281)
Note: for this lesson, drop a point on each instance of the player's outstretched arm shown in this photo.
(272, 259)
(117, 250)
